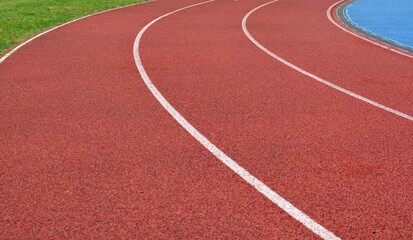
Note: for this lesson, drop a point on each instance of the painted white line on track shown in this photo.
(234, 166)
(298, 69)
(330, 17)
(61, 25)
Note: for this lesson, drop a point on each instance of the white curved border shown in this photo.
(234, 166)
(330, 17)
(298, 69)
(61, 25)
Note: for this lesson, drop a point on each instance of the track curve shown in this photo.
(87, 152)
(230, 163)
(298, 69)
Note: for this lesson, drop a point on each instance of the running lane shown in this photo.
(87, 152)
(345, 163)
(321, 48)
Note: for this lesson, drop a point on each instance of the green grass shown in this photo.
(21, 18)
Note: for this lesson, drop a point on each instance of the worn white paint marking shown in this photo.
(234, 166)
(298, 69)
(61, 25)
(330, 17)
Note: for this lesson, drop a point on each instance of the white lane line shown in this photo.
(61, 25)
(298, 69)
(234, 166)
(330, 17)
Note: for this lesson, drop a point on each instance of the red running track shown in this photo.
(88, 152)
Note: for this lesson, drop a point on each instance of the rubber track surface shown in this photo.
(87, 152)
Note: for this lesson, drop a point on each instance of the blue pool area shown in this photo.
(388, 19)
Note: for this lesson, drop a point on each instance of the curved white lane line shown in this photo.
(234, 166)
(61, 25)
(298, 69)
(330, 17)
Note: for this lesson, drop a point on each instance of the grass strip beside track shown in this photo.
(20, 19)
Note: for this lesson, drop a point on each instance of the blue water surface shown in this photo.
(390, 19)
